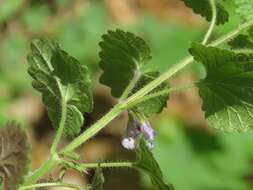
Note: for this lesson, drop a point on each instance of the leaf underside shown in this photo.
(62, 80)
(14, 156)
(147, 163)
(203, 8)
(227, 90)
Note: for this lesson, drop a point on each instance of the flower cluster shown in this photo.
(137, 127)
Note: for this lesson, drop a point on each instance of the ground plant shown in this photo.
(65, 86)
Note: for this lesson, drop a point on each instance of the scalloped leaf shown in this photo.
(203, 8)
(147, 163)
(14, 155)
(227, 90)
(123, 58)
(63, 82)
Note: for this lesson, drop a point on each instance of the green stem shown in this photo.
(61, 128)
(62, 120)
(84, 166)
(130, 86)
(40, 172)
(231, 34)
(159, 93)
(100, 124)
(108, 165)
(163, 77)
(94, 129)
(212, 25)
(39, 185)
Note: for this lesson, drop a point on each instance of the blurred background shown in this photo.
(192, 155)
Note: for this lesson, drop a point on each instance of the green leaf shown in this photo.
(14, 155)
(123, 56)
(244, 9)
(203, 8)
(123, 60)
(227, 90)
(154, 105)
(98, 180)
(64, 83)
(147, 163)
(242, 41)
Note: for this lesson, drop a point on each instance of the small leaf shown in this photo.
(98, 180)
(63, 81)
(123, 57)
(147, 163)
(154, 105)
(203, 8)
(227, 90)
(14, 155)
(244, 9)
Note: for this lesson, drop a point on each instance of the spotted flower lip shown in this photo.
(138, 126)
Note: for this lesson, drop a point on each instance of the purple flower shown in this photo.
(138, 126)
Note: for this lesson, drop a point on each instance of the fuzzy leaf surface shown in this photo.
(123, 56)
(62, 81)
(203, 8)
(227, 90)
(147, 163)
(14, 156)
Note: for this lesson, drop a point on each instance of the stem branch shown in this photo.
(39, 185)
(114, 112)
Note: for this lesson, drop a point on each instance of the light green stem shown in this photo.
(212, 25)
(84, 166)
(53, 161)
(94, 129)
(39, 185)
(108, 165)
(159, 93)
(231, 34)
(100, 124)
(131, 85)
(61, 127)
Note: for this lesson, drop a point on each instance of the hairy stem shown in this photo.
(61, 128)
(94, 129)
(231, 34)
(53, 161)
(212, 25)
(39, 185)
(108, 165)
(62, 121)
(159, 93)
(84, 166)
(114, 112)
(130, 86)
